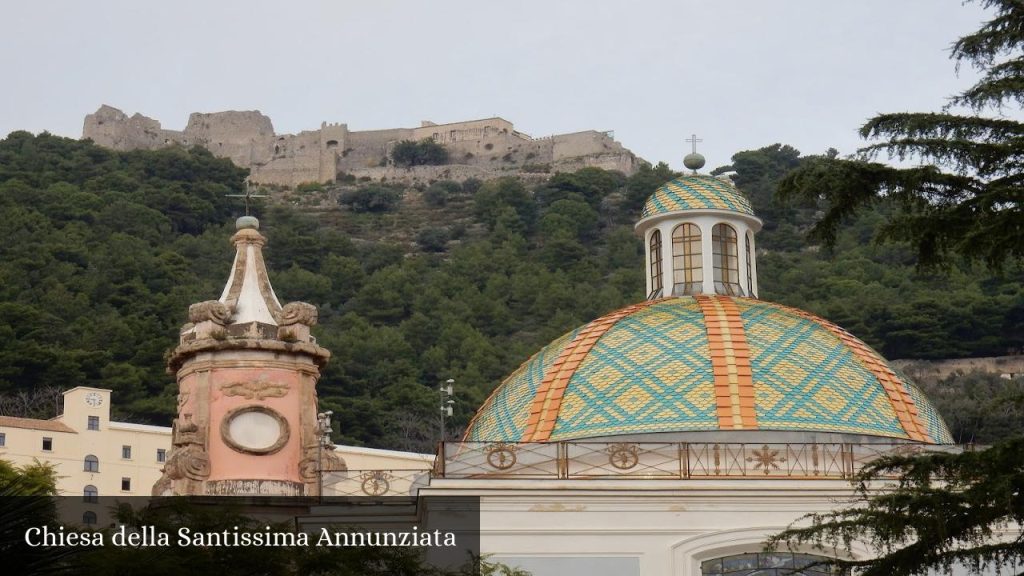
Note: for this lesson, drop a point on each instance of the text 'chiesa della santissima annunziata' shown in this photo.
(145, 536)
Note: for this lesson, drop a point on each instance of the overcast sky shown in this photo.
(740, 73)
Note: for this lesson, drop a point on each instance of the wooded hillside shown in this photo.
(102, 252)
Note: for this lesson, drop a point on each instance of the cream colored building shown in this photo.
(93, 456)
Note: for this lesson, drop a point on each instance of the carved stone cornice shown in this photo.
(183, 352)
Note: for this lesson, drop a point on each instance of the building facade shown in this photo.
(93, 455)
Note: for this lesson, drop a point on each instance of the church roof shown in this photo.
(696, 192)
(705, 363)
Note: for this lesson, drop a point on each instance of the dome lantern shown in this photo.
(698, 233)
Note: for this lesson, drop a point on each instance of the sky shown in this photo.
(741, 74)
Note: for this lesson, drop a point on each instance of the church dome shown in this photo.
(696, 192)
(706, 363)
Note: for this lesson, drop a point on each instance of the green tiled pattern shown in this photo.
(649, 373)
(504, 416)
(696, 192)
(806, 378)
(932, 421)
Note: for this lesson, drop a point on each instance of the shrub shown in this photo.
(432, 239)
(422, 153)
(309, 187)
(371, 198)
(437, 193)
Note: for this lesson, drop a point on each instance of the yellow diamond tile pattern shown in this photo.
(808, 378)
(687, 363)
(696, 192)
(504, 414)
(649, 373)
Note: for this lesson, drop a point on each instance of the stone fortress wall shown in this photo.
(484, 148)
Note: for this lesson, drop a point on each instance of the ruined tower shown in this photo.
(247, 369)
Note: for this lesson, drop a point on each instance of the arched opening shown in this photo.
(769, 564)
(90, 494)
(726, 260)
(750, 266)
(92, 463)
(332, 144)
(687, 261)
(89, 519)
(655, 255)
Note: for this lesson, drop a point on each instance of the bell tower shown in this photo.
(247, 369)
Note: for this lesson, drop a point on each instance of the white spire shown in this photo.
(248, 293)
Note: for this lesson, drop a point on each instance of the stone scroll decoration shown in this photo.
(308, 466)
(258, 389)
(298, 313)
(295, 320)
(210, 310)
(188, 464)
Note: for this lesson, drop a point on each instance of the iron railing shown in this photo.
(663, 460)
(374, 482)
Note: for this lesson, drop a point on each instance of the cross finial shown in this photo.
(693, 140)
(248, 194)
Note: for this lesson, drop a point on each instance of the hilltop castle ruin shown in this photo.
(477, 148)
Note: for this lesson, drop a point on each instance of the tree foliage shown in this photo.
(371, 198)
(941, 510)
(966, 195)
(423, 153)
(26, 501)
(95, 280)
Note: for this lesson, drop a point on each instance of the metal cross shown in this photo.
(693, 140)
(248, 194)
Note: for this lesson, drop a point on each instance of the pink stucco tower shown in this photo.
(247, 369)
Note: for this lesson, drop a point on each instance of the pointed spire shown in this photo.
(248, 293)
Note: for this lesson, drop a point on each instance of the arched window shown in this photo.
(89, 519)
(655, 254)
(687, 263)
(750, 266)
(764, 564)
(92, 463)
(90, 494)
(726, 260)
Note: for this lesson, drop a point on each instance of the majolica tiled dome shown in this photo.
(696, 192)
(705, 363)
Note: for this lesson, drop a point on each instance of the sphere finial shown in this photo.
(247, 222)
(693, 161)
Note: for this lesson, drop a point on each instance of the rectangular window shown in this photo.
(94, 422)
(126, 452)
(161, 455)
(3, 439)
(47, 444)
(126, 484)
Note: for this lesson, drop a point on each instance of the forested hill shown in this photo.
(102, 252)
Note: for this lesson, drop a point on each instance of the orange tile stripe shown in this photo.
(730, 362)
(548, 400)
(902, 402)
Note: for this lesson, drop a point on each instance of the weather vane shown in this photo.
(248, 194)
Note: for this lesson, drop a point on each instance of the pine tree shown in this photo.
(964, 197)
(944, 509)
(922, 513)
